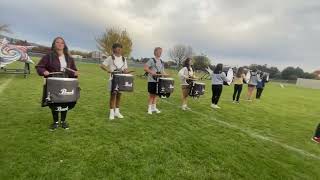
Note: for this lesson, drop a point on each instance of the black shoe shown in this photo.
(64, 125)
(54, 126)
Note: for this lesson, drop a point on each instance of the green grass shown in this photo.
(228, 143)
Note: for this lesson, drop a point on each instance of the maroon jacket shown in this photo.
(53, 65)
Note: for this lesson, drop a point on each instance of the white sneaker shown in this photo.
(156, 110)
(118, 114)
(111, 116)
(214, 106)
(150, 109)
(233, 102)
(185, 107)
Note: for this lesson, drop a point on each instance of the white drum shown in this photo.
(122, 82)
(62, 90)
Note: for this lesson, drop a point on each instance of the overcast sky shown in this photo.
(234, 32)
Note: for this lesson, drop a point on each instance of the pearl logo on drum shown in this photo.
(127, 84)
(66, 93)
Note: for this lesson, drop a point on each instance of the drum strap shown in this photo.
(123, 60)
(155, 64)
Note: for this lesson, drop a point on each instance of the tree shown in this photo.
(114, 35)
(273, 71)
(4, 28)
(200, 62)
(291, 73)
(179, 53)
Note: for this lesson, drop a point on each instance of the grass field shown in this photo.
(267, 139)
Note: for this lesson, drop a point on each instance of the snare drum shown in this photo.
(62, 90)
(197, 89)
(122, 82)
(165, 87)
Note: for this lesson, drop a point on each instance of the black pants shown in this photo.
(259, 92)
(317, 133)
(237, 91)
(62, 108)
(216, 93)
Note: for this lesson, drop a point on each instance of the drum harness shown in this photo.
(117, 70)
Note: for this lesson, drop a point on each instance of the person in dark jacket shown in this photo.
(260, 85)
(58, 61)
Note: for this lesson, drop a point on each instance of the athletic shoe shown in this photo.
(118, 115)
(64, 125)
(111, 116)
(214, 106)
(316, 139)
(237, 102)
(54, 126)
(185, 108)
(218, 107)
(156, 110)
(149, 111)
(233, 102)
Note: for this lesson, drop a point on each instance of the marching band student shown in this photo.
(260, 85)
(316, 137)
(155, 69)
(56, 61)
(187, 76)
(254, 79)
(115, 63)
(218, 77)
(238, 83)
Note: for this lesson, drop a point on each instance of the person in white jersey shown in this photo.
(115, 63)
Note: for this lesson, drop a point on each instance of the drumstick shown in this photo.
(70, 70)
(55, 73)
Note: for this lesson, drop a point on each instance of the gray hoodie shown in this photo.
(218, 79)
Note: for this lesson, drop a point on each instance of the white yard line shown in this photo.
(252, 134)
(5, 84)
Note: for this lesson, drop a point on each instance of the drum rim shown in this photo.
(167, 78)
(127, 75)
(62, 79)
(200, 83)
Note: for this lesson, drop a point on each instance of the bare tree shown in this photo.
(179, 53)
(4, 28)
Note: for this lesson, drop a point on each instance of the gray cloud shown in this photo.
(234, 32)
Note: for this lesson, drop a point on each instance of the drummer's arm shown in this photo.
(148, 70)
(105, 68)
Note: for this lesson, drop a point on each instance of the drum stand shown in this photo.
(24, 71)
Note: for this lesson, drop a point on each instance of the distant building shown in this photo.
(77, 56)
(98, 55)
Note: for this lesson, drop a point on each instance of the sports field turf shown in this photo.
(267, 139)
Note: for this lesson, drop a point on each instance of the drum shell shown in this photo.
(165, 85)
(122, 82)
(62, 90)
(199, 88)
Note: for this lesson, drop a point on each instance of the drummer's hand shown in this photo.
(153, 73)
(165, 74)
(46, 73)
(76, 73)
(125, 71)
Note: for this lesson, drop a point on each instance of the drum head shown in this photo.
(124, 75)
(171, 79)
(62, 79)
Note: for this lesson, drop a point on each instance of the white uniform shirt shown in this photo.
(63, 62)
